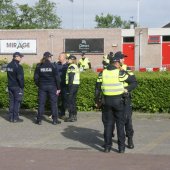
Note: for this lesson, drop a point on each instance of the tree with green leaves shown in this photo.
(16, 16)
(25, 17)
(110, 21)
(45, 15)
(7, 14)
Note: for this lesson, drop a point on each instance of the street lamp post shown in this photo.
(83, 14)
(138, 13)
(51, 37)
(140, 49)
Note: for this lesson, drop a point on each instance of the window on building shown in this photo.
(166, 38)
(128, 39)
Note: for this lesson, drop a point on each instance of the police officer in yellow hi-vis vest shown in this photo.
(73, 81)
(111, 86)
(128, 106)
(84, 63)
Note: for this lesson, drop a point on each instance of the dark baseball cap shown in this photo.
(119, 55)
(17, 54)
(72, 57)
(111, 53)
(115, 59)
(47, 54)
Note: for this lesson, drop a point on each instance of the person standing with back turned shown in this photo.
(48, 81)
(113, 90)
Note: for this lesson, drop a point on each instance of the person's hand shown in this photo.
(98, 104)
(125, 91)
(58, 92)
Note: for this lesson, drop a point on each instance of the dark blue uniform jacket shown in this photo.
(46, 74)
(15, 74)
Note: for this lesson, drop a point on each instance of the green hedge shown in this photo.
(152, 94)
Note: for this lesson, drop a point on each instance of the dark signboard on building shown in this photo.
(86, 45)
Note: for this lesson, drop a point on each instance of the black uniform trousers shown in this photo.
(63, 98)
(128, 117)
(15, 98)
(43, 92)
(113, 108)
(72, 100)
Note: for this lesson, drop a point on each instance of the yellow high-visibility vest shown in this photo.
(84, 63)
(76, 76)
(124, 67)
(111, 84)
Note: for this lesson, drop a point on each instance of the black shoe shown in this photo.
(75, 117)
(18, 120)
(62, 117)
(121, 150)
(130, 143)
(38, 122)
(11, 120)
(106, 150)
(69, 119)
(56, 122)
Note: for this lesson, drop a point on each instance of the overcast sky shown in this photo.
(152, 13)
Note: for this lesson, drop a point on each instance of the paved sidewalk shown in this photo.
(77, 145)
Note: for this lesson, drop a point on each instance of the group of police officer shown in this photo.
(62, 79)
(112, 93)
(53, 80)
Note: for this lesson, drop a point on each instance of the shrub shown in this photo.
(151, 95)
(153, 92)
(3, 61)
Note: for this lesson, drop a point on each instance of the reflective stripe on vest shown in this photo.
(84, 63)
(76, 76)
(99, 78)
(124, 66)
(111, 85)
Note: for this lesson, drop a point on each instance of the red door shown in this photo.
(128, 49)
(166, 53)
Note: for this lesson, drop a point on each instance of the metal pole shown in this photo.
(138, 12)
(72, 15)
(83, 14)
(140, 51)
(52, 44)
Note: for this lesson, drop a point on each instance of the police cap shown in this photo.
(72, 57)
(47, 54)
(17, 54)
(111, 54)
(115, 59)
(119, 55)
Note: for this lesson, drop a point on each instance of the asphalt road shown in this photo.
(77, 146)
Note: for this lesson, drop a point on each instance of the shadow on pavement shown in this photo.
(5, 116)
(90, 137)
